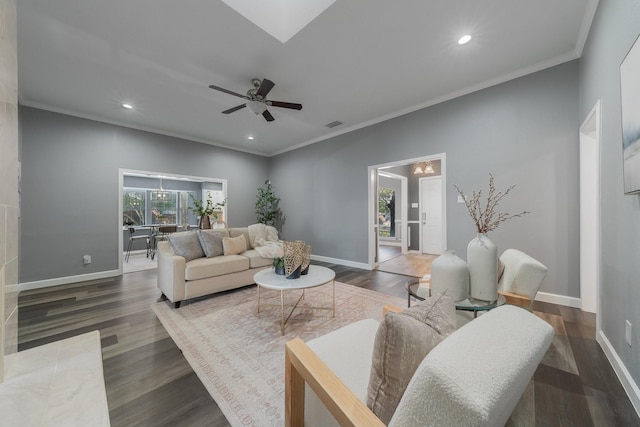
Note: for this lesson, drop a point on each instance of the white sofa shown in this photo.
(474, 377)
(179, 280)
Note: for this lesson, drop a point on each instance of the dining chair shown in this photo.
(161, 235)
(133, 237)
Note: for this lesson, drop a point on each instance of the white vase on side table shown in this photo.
(450, 273)
(482, 260)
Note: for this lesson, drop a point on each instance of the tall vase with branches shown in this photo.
(482, 253)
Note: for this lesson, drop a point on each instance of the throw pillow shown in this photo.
(402, 341)
(234, 245)
(211, 243)
(186, 245)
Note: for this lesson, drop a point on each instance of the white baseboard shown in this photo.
(559, 299)
(66, 280)
(623, 374)
(344, 262)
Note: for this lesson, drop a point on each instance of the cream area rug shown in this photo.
(238, 353)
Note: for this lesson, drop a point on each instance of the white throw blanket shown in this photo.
(264, 239)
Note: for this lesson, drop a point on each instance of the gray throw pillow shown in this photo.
(186, 245)
(211, 243)
(402, 341)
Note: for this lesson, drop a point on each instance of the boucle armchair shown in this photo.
(521, 278)
(474, 377)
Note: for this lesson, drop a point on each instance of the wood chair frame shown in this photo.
(303, 366)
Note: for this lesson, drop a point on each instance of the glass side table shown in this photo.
(468, 304)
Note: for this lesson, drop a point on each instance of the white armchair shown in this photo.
(475, 377)
(521, 278)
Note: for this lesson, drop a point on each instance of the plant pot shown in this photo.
(295, 274)
(279, 270)
(204, 223)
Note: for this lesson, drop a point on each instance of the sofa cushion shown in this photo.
(255, 260)
(186, 244)
(211, 242)
(241, 231)
(234, 245)
(211, 267)
(402, 342)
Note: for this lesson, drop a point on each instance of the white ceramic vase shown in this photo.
(482, 259)
(450, 273)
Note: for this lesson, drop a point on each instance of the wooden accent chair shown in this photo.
(475, 376)
(521, 278)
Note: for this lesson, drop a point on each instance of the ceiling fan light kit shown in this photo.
(256, 99)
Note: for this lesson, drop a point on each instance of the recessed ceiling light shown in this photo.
(127, 106)
(464, 39)
(250, 138)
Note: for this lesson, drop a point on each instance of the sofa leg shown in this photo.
(177, 304)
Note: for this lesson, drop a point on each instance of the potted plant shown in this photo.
(267, 210)
(278, 265)
(206, 209)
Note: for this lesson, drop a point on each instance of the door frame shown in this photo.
(443, 212)
(153, 174)
(590, 193)
(372, 195)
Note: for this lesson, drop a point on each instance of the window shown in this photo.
(386, 212)
(164, 207)
(133, 207)
(145, 206)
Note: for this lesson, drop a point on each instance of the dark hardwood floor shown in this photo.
(149, 383)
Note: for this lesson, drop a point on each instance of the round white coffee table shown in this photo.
(317, 276)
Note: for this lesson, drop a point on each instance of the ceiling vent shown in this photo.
(333, 124)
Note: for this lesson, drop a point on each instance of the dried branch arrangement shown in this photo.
(485, 216)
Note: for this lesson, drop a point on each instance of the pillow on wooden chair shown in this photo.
(402, 342)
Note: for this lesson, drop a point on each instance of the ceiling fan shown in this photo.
(256, 99)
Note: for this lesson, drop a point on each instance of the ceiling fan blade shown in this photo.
(231, 110)
(267, 115)
(221, 89)
(265, 87)
(281, 104)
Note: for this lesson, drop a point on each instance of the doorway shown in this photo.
(149, 200)
(590, 213)
(408, 220)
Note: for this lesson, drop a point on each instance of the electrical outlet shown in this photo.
(86, 259)
(627, 332)
(460, 199)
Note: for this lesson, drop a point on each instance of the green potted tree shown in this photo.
(267, 210)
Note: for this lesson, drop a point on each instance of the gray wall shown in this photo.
(524, 131)
(70, 187)
(615, 27)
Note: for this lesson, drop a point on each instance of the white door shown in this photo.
(431, 215)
